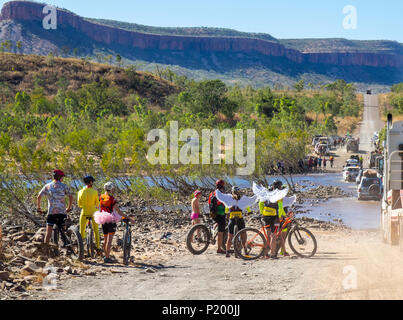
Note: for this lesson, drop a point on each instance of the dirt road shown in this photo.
(348, 265)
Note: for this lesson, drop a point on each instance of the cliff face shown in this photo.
(33, 12)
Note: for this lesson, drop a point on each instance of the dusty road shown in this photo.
(348, 265)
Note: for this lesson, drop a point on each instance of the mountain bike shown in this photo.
(250, 243)
(89, 239)
(201, 236)
(70, 236)
(127, 241)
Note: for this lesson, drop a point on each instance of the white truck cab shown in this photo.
(392, 209)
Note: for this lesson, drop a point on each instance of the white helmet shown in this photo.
(109, 186)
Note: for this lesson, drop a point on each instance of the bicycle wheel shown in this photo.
(198, 239)
(90, 243)
(302, 242)
(127, 245)
(249, 244)
(76, 243)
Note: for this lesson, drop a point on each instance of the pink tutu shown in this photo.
(106, 217)
(194, 216)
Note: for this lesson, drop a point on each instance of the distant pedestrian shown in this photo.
(324, 162)
(320, 162)
(331, 162)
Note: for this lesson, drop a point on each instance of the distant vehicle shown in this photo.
(352, 163)
(359, 177)
(324, 140)
(315, 140)
(352, 145)
(370, 188)
(369, 91)
(350, 173)
(372, 160)
(322, 149)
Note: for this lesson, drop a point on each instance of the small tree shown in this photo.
(19, 46)
(299, 86)
(119, 60)
(75, 52)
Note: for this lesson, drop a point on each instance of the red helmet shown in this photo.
(58, 173)
(220, 183)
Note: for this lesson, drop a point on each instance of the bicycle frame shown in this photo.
(287, 224)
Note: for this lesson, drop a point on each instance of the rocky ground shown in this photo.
(27, 265)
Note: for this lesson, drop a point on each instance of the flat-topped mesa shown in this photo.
(32, 11)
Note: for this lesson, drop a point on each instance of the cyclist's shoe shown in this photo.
(286, 254)
(220, 252)
(273, 257)
(227, 255)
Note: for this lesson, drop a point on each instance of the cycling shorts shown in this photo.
(56, 219)
(109, 228)
(221, 223)
(273, 222)
(236, 222)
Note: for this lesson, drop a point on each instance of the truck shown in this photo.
(391, 208)
(352, 145)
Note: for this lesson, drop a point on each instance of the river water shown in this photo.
(358, 215)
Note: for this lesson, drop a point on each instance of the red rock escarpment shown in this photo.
(30, 11)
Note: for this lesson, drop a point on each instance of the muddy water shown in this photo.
(358, 215)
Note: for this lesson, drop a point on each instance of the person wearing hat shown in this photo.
(56, 192)
(88, 201)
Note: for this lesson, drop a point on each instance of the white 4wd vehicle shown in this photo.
(350, 173)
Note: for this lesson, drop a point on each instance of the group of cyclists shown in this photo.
(89, 202)
(221, 207)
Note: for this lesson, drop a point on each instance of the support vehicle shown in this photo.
(391, 210)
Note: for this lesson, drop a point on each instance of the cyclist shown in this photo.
(108, 204)
(56, 191)
(217, 213)
(236, 204)
(88, 201)
(272, 213)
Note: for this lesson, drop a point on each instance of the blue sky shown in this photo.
(281, 18)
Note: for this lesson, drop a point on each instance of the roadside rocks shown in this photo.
(323, 192)
(4, 275)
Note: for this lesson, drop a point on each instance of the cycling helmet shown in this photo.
(277, 184)
(109, 186)
(88, 179)
(57, 174)
(220, 183)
